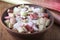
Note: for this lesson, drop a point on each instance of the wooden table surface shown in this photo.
(52, 34)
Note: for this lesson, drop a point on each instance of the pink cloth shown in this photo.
(52, 4)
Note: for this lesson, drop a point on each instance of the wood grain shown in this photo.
(52, 34)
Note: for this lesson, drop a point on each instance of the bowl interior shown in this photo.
(45, 10)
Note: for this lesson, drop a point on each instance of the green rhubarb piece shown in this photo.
(47, 22)
(24, 13)
(10, 25)
(22, 6)
(25, 20)
(7, 22)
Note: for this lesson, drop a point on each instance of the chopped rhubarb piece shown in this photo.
(29, 28)
(20, 29)
(7, 17)
(11, 14)
(12, 20)
(45, 15)
(7, 22)
(33, 16)
(10, 11)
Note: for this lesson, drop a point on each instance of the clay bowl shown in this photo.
(56, 15)
(26, 35)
